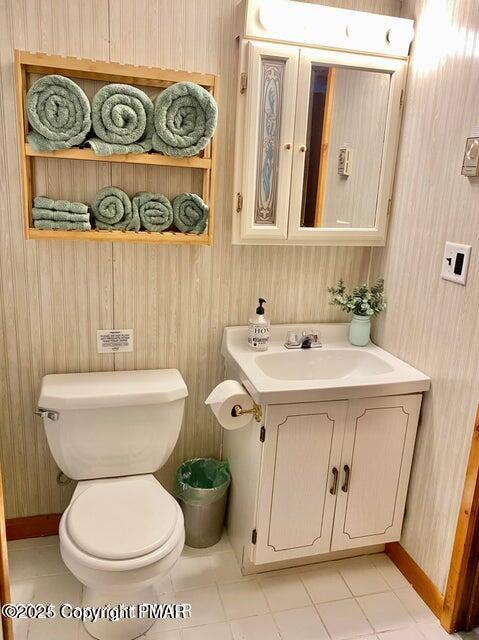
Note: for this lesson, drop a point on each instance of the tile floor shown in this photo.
(362, 598)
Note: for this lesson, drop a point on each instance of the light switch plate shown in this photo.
(470, 164)
(114, 340)
(455, 262)
(344, 161)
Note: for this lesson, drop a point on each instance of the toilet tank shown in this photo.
(110, 424)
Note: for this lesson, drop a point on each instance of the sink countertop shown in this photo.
(336, 371)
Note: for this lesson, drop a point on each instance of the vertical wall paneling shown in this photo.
(430, 322)
(55, 295)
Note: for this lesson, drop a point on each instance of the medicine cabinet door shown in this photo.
(267, 139)
(344, 117)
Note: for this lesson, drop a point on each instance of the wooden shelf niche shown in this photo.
(33, 64)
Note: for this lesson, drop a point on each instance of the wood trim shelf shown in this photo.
(158, 159)
(98, 235)
(41, 63)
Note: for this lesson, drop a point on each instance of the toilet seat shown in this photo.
(122, 518)
(121, 524)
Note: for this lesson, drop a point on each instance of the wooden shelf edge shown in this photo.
(167, 237)
(128, 158)
(104, 70)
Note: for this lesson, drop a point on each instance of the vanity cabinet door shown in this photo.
(267, 139)
(375, 465)
(297, 491)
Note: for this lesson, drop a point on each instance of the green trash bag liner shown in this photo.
(201, 481)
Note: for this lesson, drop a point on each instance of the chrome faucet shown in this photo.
(308, 340)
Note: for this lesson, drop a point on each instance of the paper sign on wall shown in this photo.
(114, 340)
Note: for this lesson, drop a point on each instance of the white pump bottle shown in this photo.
(258, 329)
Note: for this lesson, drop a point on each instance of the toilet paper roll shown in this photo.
(222, 400)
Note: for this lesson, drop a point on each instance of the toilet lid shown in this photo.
(122, 518)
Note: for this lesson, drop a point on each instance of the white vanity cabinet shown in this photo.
(321, 477)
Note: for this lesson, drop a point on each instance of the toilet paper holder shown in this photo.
(238, 410)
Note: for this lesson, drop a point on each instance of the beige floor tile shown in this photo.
(344, 619)
(255, 628)
(242, 599)
(284, 592)
(300, 624)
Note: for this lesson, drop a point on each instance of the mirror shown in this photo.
(346, 129)
(316, 143)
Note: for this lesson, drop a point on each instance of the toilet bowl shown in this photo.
(119, 537)
(122, 531)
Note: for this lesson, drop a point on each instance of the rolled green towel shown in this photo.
(154, 209)
(122, 118)
(190, 213)
(112, 210)
(42, 202)
(184, 120)
(59, 112)
(62, 224)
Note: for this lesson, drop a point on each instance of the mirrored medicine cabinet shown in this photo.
(316, 142)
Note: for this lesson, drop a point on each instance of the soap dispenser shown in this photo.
(258, 329)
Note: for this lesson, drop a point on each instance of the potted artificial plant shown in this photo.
(363, 302)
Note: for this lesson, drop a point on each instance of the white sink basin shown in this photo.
(321, 364)
(335, 371)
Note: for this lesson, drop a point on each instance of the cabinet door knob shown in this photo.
(287, 145)
(302, 148)
(347, 472)
(334, 487)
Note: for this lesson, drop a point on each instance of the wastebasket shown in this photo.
(202, 487)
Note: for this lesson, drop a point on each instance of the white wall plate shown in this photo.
(455, 262)
(114, 340)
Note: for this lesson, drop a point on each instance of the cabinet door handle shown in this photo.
(334, 487)
(302, 148)
(347, 472)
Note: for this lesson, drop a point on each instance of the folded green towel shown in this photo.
(112, 210)
(154, 209)
(52, 214)
(190, 213)
(185, 119)
(62, 224)
(59, 112)
(122, 118)
(41, 202)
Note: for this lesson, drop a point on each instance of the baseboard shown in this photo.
(33, 526)
(413, 573)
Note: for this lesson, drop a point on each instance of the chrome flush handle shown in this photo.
(47, 413)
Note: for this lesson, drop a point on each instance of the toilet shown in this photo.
(122, 531)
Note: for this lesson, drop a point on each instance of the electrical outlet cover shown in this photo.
(455, 262)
